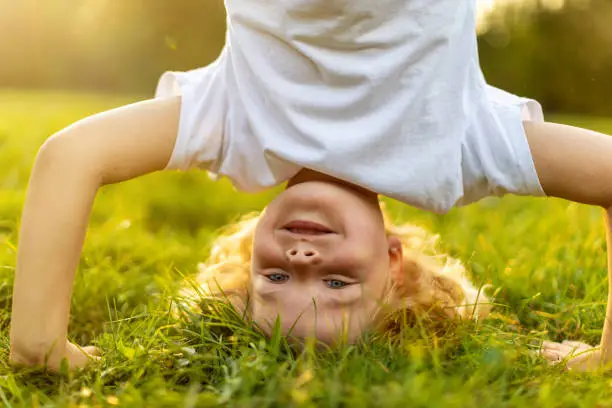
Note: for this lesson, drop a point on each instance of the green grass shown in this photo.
(544, 258)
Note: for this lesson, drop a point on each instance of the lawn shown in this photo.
(544, 258)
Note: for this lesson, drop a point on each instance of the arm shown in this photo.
(70, 168)
(576, 164)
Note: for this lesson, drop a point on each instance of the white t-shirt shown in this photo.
(386, 94)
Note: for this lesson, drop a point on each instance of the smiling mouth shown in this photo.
(307, 228)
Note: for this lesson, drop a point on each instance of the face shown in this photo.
(321, 262)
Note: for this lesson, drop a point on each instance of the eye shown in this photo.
(277, 278)
(336, 284)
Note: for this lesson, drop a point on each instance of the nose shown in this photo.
(303, 256)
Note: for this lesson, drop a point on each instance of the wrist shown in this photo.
(36, 353)
(605, 352)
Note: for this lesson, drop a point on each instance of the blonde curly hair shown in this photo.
(438, 287)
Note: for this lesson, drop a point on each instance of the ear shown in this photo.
(396, 260)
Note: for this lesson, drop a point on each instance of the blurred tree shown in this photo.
(557, 51)
(105, 44)
(560, 56)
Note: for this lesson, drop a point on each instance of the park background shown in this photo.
(544, 259)
(557, 51)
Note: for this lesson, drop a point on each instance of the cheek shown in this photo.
(373, 271)
(365, 221)
(363, 258)
(266, 252)
(366, 245)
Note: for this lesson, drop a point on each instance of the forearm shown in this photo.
(60, 196)
(606, 336)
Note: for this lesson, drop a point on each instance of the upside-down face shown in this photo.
(322, 261)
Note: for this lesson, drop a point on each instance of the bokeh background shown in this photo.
(544, 259)
(557, 51)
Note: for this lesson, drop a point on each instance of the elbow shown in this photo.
(65, 153)
(57, 150)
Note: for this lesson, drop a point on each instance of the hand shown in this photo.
(576, 356)
(77, 357)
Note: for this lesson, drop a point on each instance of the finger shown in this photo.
(80, 357)
(551, 356)
(561, 348)
(551, 345)
(92, 350)
(577, 344)
(82, 361)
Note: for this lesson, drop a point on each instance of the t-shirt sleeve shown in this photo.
(199, 142)
(496, 158)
